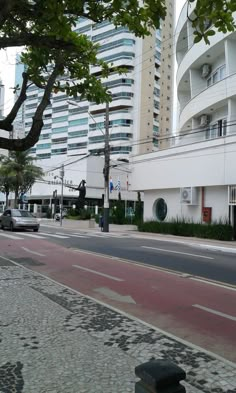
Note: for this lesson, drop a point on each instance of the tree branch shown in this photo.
(6, 124)
(33, 136)
(28, 39)
(5, 9)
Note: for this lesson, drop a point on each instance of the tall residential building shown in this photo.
(135, 109)
(2, 93)
(167, 76)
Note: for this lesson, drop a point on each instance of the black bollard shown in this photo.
(159, 376)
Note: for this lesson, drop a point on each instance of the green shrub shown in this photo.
(84, 215)
(218, 230)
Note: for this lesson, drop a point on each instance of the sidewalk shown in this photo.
(54, 340)
(132, 231)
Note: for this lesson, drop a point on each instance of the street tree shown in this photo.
(22, 172)
(58, 59)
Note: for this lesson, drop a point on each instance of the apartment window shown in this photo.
(119, 82)
(59, 140)
(78, 134)
(73, 146)
(217, 129)
(119, 56)
(116, 44)
(59, 151)
(78, 122)
(217, 75)
(44, 156)
(44, 146)
(44, 136)
(109, 33)
(59, 119)
(59, 129)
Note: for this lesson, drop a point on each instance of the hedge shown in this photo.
(219, 231)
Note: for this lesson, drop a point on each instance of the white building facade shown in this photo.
(196, 178)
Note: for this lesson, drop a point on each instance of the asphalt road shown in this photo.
(185, 258)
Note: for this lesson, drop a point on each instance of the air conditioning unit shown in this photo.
(204, 120)
(188, 196)
(205, 70)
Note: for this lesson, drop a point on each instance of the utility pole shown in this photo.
(106, 172)
(62, 173)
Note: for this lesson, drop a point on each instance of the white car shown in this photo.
(19, 219)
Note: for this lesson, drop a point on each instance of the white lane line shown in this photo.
(54, 235)
(73, 235)
(11, 236)
(221, 314)
(177, 252)
(33, 252)
(98, 273)
(90, 235)
(32, 235)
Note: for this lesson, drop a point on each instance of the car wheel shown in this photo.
(11, 227)
(2, 227)
(35, 229)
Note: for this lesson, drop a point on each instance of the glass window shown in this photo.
(78, 122)
(222, 72)
(109, 33)
(161, 209)
(21, 213)
(44, 146)
(215, 77)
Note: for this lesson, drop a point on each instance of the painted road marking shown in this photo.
(177, 252)
(221, 314)
(11, 236)
(115, 295)
(34, 235)
(33, 252)
(73, 235)
(99, 273)
(54, 235)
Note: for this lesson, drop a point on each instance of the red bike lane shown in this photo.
(197, 311)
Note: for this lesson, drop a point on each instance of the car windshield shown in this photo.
(21, 213)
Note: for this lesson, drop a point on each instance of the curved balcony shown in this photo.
(199, 54)
(213, 96)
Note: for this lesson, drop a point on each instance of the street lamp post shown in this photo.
(106, 172)
(62, 172)
(106, 164)
(61, 177)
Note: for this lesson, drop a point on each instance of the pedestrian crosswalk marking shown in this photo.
(54, 235)
(33, 235)
(10, 236)
(61, 235)
(72, 235)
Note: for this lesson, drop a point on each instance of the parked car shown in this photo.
(19, 219)
(58, 215)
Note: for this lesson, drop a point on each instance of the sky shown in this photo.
(7, 67)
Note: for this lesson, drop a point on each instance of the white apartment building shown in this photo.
(76, 128)
(196, 178)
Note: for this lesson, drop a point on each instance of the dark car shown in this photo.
(19, 219)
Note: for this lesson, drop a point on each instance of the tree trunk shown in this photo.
(7, 195)
(16, 199)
